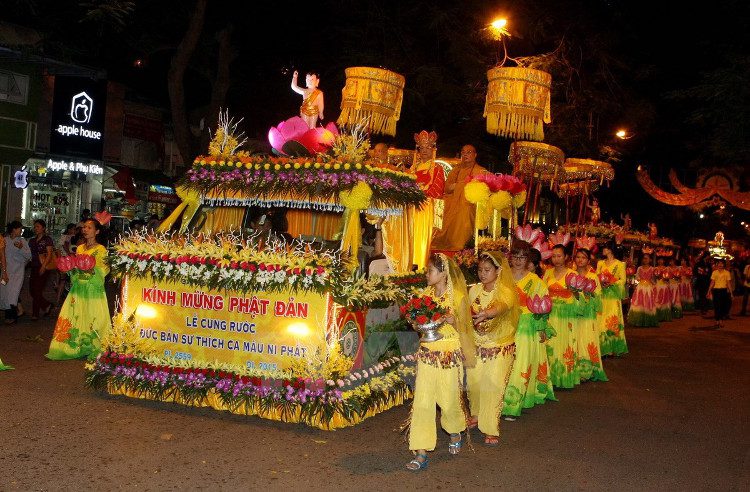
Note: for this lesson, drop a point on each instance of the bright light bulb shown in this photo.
(621, 133)
(499, 24)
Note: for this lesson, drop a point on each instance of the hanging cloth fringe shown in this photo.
(373, 97)
(518, 102)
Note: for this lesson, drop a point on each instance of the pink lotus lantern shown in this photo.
(85, 262)
(539, 305)
(66, 263)
(293, 137)
(559, 238)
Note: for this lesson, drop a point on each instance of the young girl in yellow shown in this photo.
(440, 364)
(585, 327)
(495, 311)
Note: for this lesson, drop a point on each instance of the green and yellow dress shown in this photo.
(561, 348)
(611, 321)
(529, 382)
(439, 379)
(84, 318)
(586, 335)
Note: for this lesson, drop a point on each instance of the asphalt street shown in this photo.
(675, 415)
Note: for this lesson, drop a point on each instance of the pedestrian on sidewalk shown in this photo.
(720, 290)
(42, 253)
(17, 255)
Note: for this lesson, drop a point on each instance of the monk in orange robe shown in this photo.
(459, 214)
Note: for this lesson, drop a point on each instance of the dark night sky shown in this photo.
(659, 47)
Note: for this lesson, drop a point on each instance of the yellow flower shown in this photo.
(297, 165)
(238, 164)
(287, 166)
(326, 166)
(213, 163)
(267, 166)
(317, 165)
(276, 167)
(476, 192)
(203, 162)
(358, 166)
(358, 198)
(337, 166)
(248, 165)
(347, 166)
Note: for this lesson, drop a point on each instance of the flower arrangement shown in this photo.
(420, 310)
(494, 191)
(315, 401)
(227, 261)
(75, 263)
(305, 178)
(579, 284)
(607, 279)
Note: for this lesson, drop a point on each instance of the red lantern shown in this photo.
(65, 263)
(85, 262)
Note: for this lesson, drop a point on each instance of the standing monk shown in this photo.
(458, 218)
(431, 179)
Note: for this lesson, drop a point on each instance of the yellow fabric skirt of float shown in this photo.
(213, 400)
(397, 241)
(422, 220)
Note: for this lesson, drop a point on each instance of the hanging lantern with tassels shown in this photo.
(372, 98)
(518, 102)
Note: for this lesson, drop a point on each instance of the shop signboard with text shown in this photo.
(78, 115)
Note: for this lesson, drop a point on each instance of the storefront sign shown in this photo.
(78, 167)
(266, 331)
(78, 114)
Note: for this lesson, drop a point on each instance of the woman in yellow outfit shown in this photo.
(495, 311)
(440, 364)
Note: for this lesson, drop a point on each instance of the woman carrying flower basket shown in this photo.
(642, 310)
(495, 311)
(565, 310)
(586, 329)
(529, 382)
(440, 364)
(611, 273)
(84, 318)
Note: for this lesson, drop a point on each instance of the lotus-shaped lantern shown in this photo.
(539, 304)
(294, 138)
(85, 262)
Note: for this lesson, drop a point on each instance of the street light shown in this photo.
(498, 28)
(623, 134)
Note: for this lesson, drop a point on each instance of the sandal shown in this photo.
(418, 464)
(491, 440)
(472, 423)
(454, 447)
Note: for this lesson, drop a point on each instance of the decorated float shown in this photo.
(218, 311)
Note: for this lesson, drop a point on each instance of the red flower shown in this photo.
(233, 264)
(436, 316)
(252, 267)
(262, 267)
(422, 319)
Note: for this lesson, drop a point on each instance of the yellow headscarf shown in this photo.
(505, 292)
(460, 302)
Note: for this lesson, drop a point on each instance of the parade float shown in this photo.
(276, 324)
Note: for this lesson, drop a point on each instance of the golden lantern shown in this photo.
(372, 98)
(536, 161)
(518, 102)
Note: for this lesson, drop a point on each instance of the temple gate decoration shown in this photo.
(372, 99)
(715, 187)
(518, 102)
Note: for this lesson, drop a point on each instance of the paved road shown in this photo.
(674, 415)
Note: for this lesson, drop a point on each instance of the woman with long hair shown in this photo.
(84, 318)
(585, 328)
(440, 365)
(529, 382)
(42, 254)
(642, 310)
(495, 312)
(565, 310)
(611, 321)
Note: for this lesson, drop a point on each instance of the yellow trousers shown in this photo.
(441, 387)
(486, 383)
